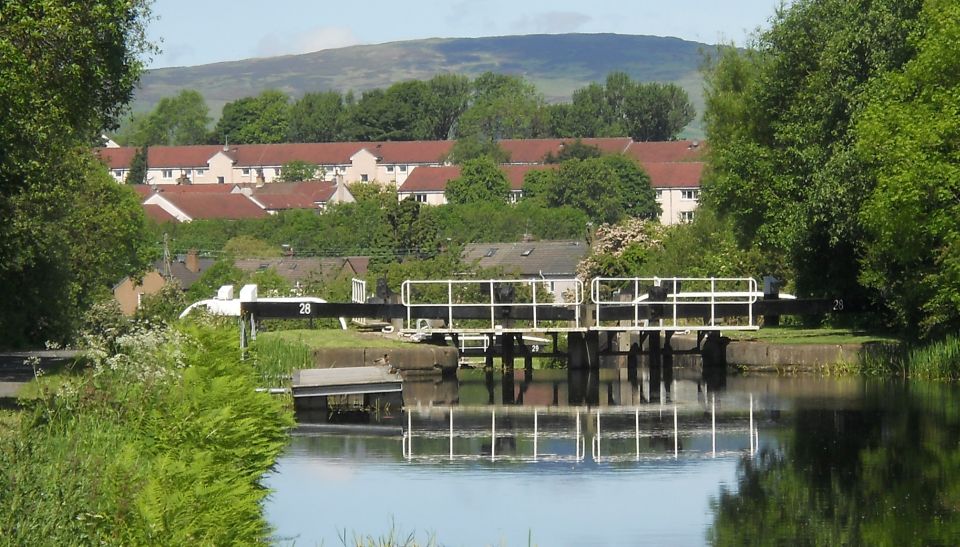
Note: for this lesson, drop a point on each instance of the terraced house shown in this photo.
(418, 170)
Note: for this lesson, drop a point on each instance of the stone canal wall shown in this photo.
(420, 359)
(767, 357)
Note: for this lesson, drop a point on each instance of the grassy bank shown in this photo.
(800, 335)
(161, 440)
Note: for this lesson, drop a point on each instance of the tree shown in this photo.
(477, 146)
(317, 117)
(590, 185)
(299, 170)
(138, 167)
(504, 107)
(254, 120)
(657, 112)
(637, 197)
(481, 180)
(450, 97)
(250, 247)
(68, 69)
(907, 135)
(778, 120)
(576, 149)
(178, 120)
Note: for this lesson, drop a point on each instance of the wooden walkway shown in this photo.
(322, 382)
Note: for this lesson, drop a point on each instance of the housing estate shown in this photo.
(417, 169)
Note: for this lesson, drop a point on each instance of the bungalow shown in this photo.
(188, 206)
(552, 262)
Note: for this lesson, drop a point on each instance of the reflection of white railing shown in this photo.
(359, 296)
(679, 293)
(650, 437)
(482, 293)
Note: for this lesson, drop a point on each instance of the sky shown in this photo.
(193, 32)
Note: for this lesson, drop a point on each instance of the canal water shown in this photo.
(614, 458)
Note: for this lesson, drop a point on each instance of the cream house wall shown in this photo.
(426, 198)
(677, 204)
(363, 163)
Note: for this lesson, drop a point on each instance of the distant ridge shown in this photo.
(557, 63)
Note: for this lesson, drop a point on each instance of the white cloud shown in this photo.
(311, 40)
(552, 22)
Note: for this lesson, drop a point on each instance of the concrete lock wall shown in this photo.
(416, 360)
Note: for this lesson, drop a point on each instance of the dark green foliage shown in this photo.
(67, 70)
(606, 188)
(178, 120)
(254, 120)
(504, 107)
(472, 147)
(574, 150)
(620, 107)
(778, 121)
(165, 305)
(481, 181)
(138, 167)
(317, 117)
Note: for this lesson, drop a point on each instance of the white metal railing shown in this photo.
(482, 293)
(681, 292)
(359, 296)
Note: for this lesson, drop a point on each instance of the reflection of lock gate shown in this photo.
(579, 435)
(619, 304)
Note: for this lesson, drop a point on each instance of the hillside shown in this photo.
(556, 63)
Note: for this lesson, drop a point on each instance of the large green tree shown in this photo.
(504, 107)
(317, 117)
(481, 180)
(254, 120)
(66, 71)
(178, 120)
(778, 120)
(907, 135)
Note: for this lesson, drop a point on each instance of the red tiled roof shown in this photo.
(535, 150)
(666, 151)
(360, 264)
(191, 188)
(210, 205)
(435, 179)
(411, 151)
(144, 190)
(181, 156)
(294, 195)
(429, 179)
(323, 153)
(675, 174)
(157, 213)
(116, 158)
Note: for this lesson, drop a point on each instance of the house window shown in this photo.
(403, 168)
(245, 170)
(422, 198)
(219, 180)
(363, 178)
(659, 194)
(389, 169)
(689, 195)
(199, 172)
(118, 172)
(686, 216)
(168, 173)
(515, 196)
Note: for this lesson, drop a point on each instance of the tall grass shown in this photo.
(275, 359)
(162, 440)
(938, 360)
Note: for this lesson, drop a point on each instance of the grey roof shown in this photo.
(531, 258)
(180, 272)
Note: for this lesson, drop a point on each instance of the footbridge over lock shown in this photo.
(605, 316)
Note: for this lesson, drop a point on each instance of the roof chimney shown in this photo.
(192, 263)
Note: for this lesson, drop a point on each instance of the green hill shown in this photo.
(557, 63)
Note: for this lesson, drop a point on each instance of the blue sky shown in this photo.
(191, 32)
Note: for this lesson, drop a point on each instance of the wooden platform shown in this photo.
(323, 382)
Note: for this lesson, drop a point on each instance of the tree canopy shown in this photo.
(481, 181)
(67, 69)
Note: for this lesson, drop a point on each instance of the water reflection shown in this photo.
(885, 470)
